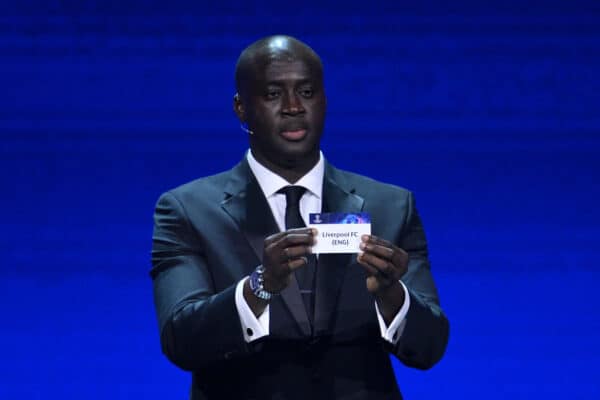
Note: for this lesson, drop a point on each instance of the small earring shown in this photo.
(243, 127)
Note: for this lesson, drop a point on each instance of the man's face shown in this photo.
(284, 106)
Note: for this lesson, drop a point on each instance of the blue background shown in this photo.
(488, 111)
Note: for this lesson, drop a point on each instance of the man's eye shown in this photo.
(306, 93)
(272, 94)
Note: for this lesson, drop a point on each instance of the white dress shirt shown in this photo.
(310, 202)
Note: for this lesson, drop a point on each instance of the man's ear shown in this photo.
(238, 108)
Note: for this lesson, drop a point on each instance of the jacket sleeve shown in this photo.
(425, 334)
(198, 327)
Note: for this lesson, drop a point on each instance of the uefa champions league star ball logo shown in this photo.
(353, 219)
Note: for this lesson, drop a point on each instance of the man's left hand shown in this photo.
(385, 264)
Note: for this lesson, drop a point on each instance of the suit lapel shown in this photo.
(246, 204)
(243, 204)
(332, 267)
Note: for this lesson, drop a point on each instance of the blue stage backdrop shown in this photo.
(488, 111)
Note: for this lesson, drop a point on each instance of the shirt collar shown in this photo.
(270, 182)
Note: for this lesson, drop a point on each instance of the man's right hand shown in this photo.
(283, 253)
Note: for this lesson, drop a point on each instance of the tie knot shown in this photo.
(292, 194)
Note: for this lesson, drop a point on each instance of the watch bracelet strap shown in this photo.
(257, 284)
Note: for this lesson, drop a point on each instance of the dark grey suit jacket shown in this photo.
(209, 234)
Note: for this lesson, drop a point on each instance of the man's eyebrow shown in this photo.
(281, 82)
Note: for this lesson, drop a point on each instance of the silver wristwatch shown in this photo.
(257, 281)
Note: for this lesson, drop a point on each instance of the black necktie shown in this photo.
(306, 274)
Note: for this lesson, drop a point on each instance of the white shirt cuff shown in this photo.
(252, 327)
(393, 332)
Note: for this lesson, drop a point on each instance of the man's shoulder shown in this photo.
(366, 186)
(208, 188)
(210, 182)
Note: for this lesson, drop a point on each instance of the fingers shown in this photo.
(296, 263)
(381, 269)
(289, 250)
(292, 240)
(384, 249)
(283, 253)
(382, 259)
(295, 256)
(290, 245)
(366, 266)
(295, 252)
(376, 280)
(298, 232)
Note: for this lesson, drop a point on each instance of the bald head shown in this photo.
(260, 54)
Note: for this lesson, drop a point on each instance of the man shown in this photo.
(242, 302)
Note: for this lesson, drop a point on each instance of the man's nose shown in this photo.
(292, 104)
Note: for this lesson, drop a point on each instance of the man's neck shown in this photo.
(293, 170)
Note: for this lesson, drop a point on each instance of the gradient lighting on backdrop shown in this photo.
(487, 112)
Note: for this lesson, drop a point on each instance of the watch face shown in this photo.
(254, 281)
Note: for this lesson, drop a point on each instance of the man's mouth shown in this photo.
(294, 135)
